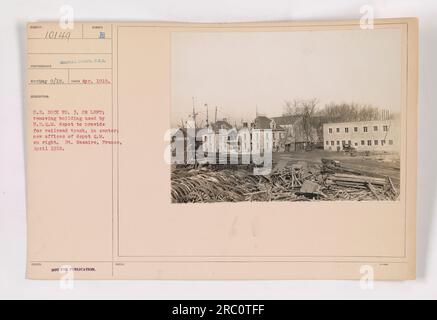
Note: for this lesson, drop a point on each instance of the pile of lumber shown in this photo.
(354, 187)
(331, 181)
(207, 185)
(351, 184)
(354, 180)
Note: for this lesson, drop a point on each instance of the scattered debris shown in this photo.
(309, 187)
(301, 181)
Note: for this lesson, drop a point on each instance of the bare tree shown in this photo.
(293, 107)
(309, 108)
(305, 110)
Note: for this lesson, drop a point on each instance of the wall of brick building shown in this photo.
(381, 135)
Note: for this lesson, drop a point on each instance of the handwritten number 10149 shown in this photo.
(58, 35)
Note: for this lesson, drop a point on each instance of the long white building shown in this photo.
(377, 135)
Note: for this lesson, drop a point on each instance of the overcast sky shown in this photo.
(238, 71)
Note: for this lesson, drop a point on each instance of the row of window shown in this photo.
(279, 135)
(355, 129)
(363, 142)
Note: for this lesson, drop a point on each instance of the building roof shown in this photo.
(286, 120)
(292, 119)
(221, 124)
(185, 131)
(263, 122)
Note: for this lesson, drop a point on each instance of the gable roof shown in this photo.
(263, 122)
(286, 120)
(221, 124)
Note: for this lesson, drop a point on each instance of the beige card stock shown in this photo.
(105, 203)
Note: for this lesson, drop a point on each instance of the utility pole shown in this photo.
(215, 117)
(192, 140)
(207, 119)
(194, 114)
(194, 111)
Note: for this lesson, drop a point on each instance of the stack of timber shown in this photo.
(330, 181)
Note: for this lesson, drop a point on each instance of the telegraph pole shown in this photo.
(207, 119)
(194, 111)
(192, 139)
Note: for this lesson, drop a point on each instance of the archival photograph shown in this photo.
(286, 115)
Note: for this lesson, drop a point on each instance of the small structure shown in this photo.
(278, 132)
(213, 140)
(185, 139)
(295, 137)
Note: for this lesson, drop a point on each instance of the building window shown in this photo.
(327, 143)
(330, 130)
(332, 143)
(346, 130)
(375, 128)
(349, 142)
(382, 142)
(369, 142)
(338, 142)
(338, 129)
(362, 142)
(343, 142)
(355, 129)
(385, 128)
(390, 142)
(356, 144)
(376, 142)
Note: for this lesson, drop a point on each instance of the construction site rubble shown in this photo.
(329, 181)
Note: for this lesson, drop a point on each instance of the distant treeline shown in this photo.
(312, 117)
(349, 112)
(334, 112)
